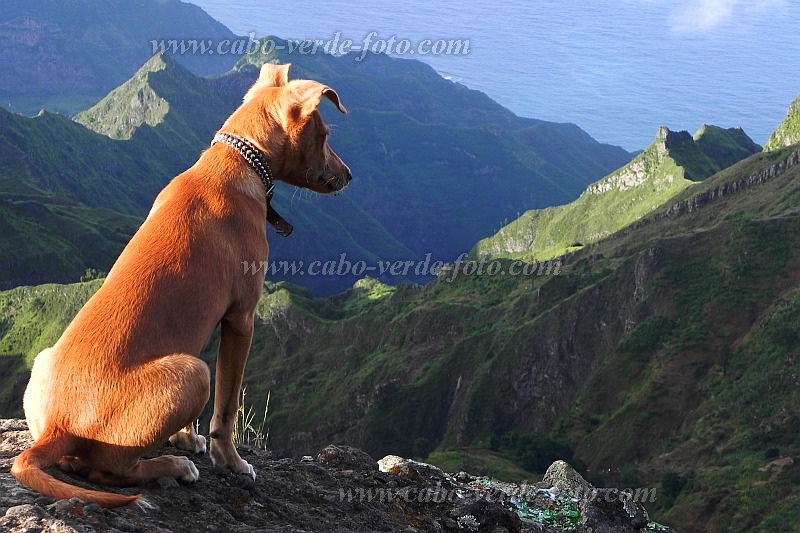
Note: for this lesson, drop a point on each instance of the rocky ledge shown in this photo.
(341, 489)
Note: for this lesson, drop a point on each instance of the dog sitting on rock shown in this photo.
(125, 376)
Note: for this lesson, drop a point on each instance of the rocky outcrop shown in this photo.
(342, 489)
(676, 155)
(601, 510)
(643, 168)
(788, 133)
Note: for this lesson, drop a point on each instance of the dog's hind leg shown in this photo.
(146, 470)
(160, 397)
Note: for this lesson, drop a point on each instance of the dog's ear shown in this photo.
(271, 75)
(331, 95)
(309, 94)
(274, 75)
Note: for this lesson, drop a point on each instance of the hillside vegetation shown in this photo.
(31, 252)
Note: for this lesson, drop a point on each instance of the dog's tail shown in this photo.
(46, 451)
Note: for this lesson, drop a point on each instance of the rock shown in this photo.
(483, 515)
(346, 458)
(25, 510)
(30, 517)
(562, 475)
(463, 477)
(398, 466)
(14, 439)
(13, 494)
(610, 511)
(601, 510)
(13, 424)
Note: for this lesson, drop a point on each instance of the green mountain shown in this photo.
(788, 133)
(56, 180)
(665, 356)
(64, 56)
(672, 163)
(725, 147)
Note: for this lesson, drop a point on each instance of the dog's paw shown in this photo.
(250, 471)
(188, 471)
(231, 461)
(244, 468)
(73, 465)
(191, 442)
(200, 444)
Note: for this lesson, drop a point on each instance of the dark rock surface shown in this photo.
(342, 489)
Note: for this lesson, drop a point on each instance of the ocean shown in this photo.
(617, 69)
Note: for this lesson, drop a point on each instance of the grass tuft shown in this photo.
(247, 429)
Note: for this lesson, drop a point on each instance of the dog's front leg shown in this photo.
(234, 348)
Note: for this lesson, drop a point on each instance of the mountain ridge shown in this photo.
(673, 161)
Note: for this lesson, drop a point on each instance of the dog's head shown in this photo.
(282, 118)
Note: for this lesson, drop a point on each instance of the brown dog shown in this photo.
(125, 376)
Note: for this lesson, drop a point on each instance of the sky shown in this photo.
(617, 69)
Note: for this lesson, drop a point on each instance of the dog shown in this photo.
(125, 376)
